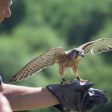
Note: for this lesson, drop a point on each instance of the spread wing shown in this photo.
(46, 59)
(97, 46)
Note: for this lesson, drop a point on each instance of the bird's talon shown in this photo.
(78, 78)
(63, 81)
(82, 80)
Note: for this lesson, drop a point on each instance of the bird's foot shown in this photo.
(81, 80)
(78, 78)
(63, 81)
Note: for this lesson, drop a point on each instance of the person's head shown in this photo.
(5, 9)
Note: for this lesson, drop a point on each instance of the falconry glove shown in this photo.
(77, 96)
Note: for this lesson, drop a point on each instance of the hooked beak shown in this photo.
(82, 55)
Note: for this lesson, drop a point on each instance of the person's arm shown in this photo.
(74, 95)
(25, 98)
(4, 104)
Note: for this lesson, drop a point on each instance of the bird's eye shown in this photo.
(77, 52)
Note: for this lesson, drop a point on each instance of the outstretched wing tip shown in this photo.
(97, 46)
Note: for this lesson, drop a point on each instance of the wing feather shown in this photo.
(46, 59)
(97, 46)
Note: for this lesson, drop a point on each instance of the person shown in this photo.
(4, 13)
(27, 98)
(65, 97)
(5, 9)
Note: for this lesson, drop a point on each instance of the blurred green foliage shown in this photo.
(38, 25)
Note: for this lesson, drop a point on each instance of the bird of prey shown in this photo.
(63, 58)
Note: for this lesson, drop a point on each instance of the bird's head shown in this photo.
(76, 53)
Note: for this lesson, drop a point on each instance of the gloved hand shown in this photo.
(92, 98)
(77, 96)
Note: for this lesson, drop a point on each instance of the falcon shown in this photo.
(65, 59)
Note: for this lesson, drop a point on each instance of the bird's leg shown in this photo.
(78, 77)
(61, 72)
(74, 70)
